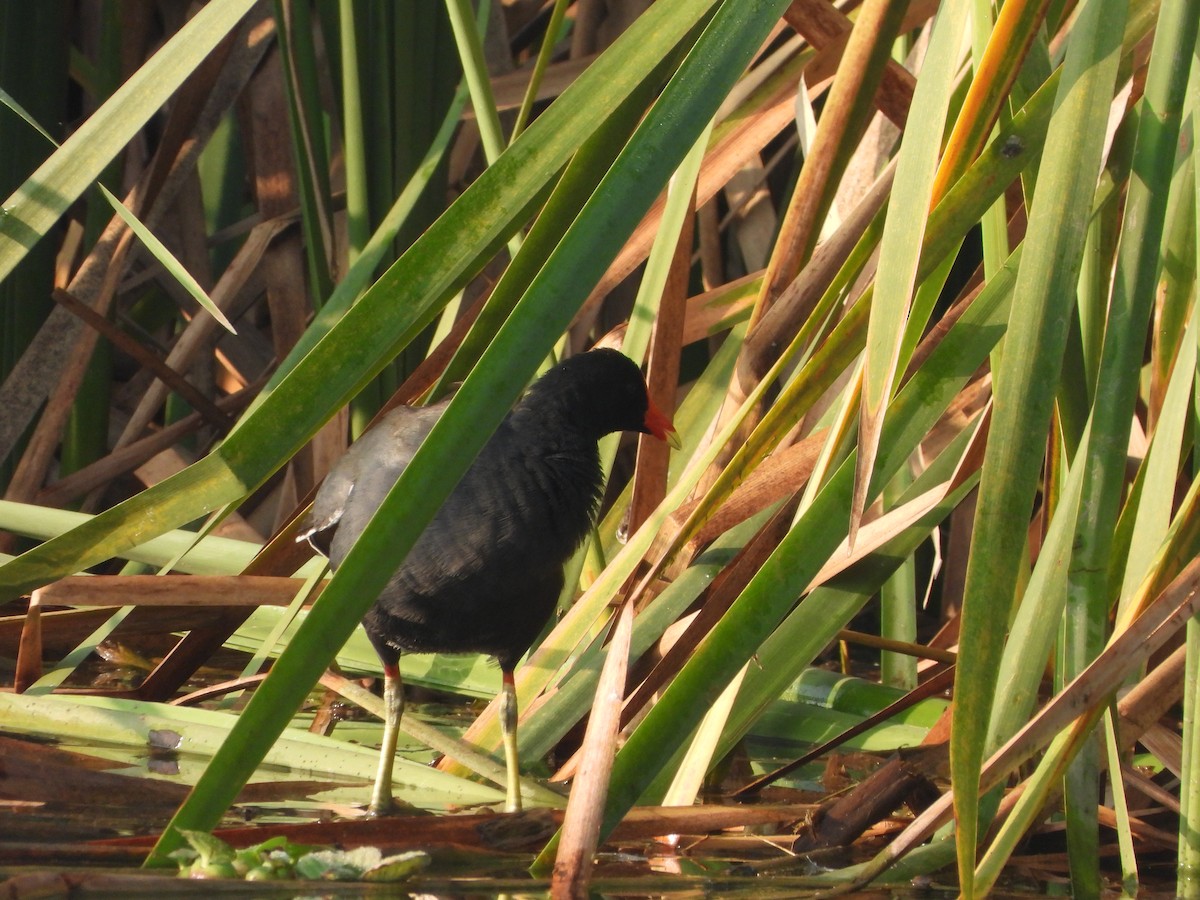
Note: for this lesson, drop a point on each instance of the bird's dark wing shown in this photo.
(356, 486)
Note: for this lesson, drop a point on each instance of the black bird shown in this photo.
(485, 575)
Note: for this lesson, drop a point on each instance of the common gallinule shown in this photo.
(485, 575)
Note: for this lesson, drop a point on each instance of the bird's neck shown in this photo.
(554, 422)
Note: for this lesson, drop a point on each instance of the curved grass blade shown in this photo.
(903, 235)
(210, 556)
(167, 259)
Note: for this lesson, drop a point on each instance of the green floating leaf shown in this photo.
(209, 849)
(205, 856)
(338, 865)
(360, 864)
(398, 867)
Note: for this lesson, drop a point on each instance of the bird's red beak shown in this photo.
(658, 423)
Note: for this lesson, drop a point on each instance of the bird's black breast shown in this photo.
(485, 575)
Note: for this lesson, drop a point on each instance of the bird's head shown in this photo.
(600, 392)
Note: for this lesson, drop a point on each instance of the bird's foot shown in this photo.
(379, 808)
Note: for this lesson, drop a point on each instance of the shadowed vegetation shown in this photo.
(914, 278)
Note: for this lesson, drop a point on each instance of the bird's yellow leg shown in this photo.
(393, 700)
(508, 724)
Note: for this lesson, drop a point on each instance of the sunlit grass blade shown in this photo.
(204, 731)
(903, 236)
(358, 213)
(211, 556)
(167, 259)
(1034, 628)
(1162, 464)
(470, 51)
(1113, 761)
